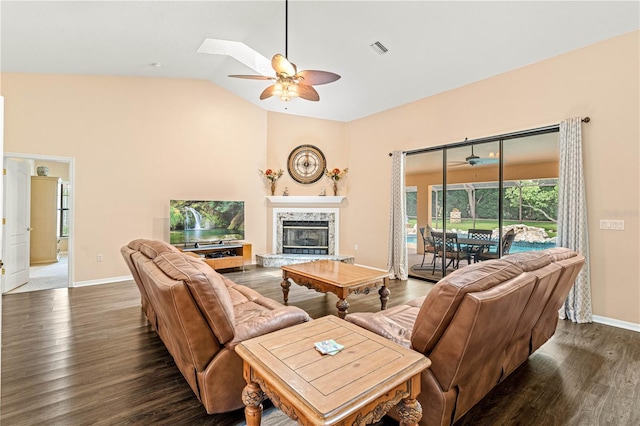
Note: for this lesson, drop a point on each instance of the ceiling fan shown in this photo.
(473, 159)
(288, 82)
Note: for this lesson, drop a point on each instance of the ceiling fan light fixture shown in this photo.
(286, 91)
(287, 77)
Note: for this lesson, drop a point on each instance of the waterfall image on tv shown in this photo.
(205, 221)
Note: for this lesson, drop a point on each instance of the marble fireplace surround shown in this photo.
(331, 215)
(297, 208)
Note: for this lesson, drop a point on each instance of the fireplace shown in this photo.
(305, 231)
(305, 237)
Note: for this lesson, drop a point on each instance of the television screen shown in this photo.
(205, 221)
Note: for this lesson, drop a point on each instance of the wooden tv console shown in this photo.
(239, 254)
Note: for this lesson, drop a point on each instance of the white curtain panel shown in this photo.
(397, 262)
(572, 218)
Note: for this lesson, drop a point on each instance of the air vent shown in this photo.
(379, 48)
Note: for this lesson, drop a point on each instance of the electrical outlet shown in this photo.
(355, 247)
(98, 257)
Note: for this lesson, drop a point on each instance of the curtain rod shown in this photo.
(522, 133)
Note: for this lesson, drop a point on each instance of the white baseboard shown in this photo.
(616, 323)
(103, 281)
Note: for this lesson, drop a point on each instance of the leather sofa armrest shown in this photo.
(253, 320)
(395, 324)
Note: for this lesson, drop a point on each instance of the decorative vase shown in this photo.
(273, 188)
(335, 188)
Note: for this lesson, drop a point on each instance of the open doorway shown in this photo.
(47, 249)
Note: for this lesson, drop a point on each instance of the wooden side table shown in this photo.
(358, 385)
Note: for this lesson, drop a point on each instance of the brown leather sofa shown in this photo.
(201, 316)
(478, 324)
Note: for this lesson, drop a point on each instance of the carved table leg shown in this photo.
(285, 284)
(342, 306)
(252, 397)
(384, 294)
(410, 412)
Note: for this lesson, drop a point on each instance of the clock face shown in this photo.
(306, 164)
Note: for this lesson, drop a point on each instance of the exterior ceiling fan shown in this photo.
(473, 160)
(289, 83)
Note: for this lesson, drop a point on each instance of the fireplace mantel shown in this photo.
(306, 199)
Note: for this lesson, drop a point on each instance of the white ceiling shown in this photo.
(433, 45)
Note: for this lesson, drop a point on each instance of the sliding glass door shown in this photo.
(479, 200)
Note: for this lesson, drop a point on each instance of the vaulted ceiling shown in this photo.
(433, 46)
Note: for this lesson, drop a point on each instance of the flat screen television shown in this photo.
(205, 222)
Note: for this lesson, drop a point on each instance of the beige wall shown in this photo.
(286, 132)
(600, 81)
(137, 143)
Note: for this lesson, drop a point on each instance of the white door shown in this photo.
(17, 202)
(1, 203)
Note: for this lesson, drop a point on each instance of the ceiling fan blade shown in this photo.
(308, 92)
(282, 65)
(267, 93)
(253, 77)
(314, 78)
(486, 161)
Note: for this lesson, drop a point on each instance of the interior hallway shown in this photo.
(46, 277)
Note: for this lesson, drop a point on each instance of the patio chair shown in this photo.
(427, 239)
(507, 241)
(447, 247)
(479, 234)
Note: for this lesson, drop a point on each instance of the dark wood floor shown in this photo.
(87, 356)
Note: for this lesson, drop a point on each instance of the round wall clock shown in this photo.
(306, 164)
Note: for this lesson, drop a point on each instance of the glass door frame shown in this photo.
(467, 143)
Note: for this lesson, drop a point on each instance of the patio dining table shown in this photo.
(477, 244)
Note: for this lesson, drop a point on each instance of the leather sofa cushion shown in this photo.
(560, 253)
(469, 354)
(152, 248)
(261, 316)
(443, 300)
(207, 289)
(529, 260)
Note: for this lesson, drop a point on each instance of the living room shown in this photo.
(139, 141)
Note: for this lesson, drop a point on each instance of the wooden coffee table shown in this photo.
(338, 278)
(357, 386)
